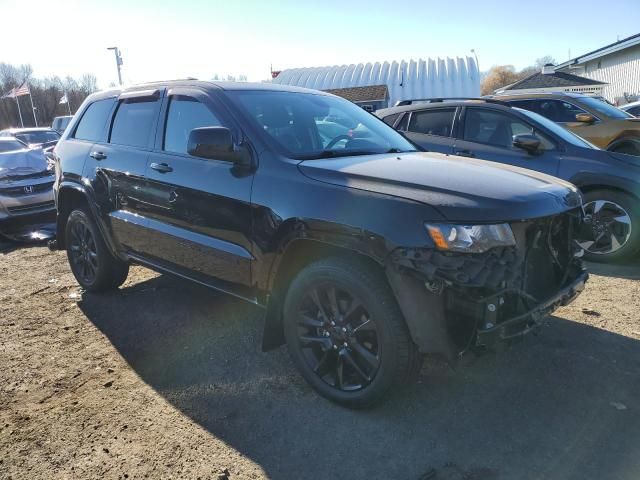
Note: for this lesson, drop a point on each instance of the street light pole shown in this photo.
(118, 61)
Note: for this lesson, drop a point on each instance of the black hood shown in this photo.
(462, 189)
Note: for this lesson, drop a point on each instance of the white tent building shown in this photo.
(450, 77)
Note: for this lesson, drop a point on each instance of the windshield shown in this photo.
(11, 146)
(38, 137)
(312, 126)
(604, 108)
(561, 132)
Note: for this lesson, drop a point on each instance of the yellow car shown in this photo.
(590, 117)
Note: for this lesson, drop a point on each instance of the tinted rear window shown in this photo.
(433, 122)
(93, 121)
(133, 123)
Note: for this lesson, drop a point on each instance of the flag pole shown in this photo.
(19, 112)
(33, 109)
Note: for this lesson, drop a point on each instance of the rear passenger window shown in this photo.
(185, 114)
(133, 123)
(92, 123)
(433, 122)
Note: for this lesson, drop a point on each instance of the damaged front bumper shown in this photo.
(455, 302)
(489, 334)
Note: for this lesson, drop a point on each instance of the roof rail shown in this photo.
(447, 99)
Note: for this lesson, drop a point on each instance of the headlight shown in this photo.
(470, 238)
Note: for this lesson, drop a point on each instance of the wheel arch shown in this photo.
(69, 196)
(588, 182)
(298, 253)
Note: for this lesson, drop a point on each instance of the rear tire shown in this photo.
(95, 269)
(346, 334)
(614, 232)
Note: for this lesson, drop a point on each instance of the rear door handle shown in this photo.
(98, 155)
(161, 167)
(465, 153)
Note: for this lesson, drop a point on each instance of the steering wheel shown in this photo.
(333, 142)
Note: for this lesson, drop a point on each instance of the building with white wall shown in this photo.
(405, 80)
(617, 65)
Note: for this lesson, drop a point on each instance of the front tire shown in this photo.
(346, 334)
(613, 230)
(95, 269)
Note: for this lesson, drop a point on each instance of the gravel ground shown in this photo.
(164, 379)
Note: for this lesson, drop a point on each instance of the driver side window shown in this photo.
(185, 114)
(498, 129)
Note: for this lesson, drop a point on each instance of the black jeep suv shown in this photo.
(364, 253)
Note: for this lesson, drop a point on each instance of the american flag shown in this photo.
(18, 91)
(22, 90)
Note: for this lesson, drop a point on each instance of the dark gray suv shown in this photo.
(494, 130)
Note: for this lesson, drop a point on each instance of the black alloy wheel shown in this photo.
(83, 252)
(91, 262)
(338, 338)
(346, 334)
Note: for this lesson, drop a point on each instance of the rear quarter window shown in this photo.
(391, 119)
(93, 121)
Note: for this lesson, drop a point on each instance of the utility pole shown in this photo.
(118, 61)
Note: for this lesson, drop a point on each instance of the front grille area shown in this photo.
(31, 208)
(21, 192)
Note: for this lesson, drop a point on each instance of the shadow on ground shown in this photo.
(561, 405)
(629, 269)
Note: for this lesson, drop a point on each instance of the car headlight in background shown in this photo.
(470, 238)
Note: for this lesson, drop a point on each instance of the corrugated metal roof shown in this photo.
(448, 77)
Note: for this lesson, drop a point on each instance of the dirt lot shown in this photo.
(164, 379)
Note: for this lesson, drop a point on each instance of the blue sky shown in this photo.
(170, 39)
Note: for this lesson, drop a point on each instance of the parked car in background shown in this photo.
(43, 137)
(26, 186)
(59, 124)
(593, 119)
(364, 253)
(633, 108)
(496, 130)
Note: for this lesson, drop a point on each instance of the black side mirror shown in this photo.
(216, 143)
(527, 142)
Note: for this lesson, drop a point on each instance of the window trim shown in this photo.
(451, 127)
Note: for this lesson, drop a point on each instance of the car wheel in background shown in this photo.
(91, 262)
(346, 334)
(612, 230)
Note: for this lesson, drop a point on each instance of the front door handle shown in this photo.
(464, 153)
(98, 155)
(161, 167)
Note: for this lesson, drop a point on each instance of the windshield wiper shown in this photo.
(348, 153)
